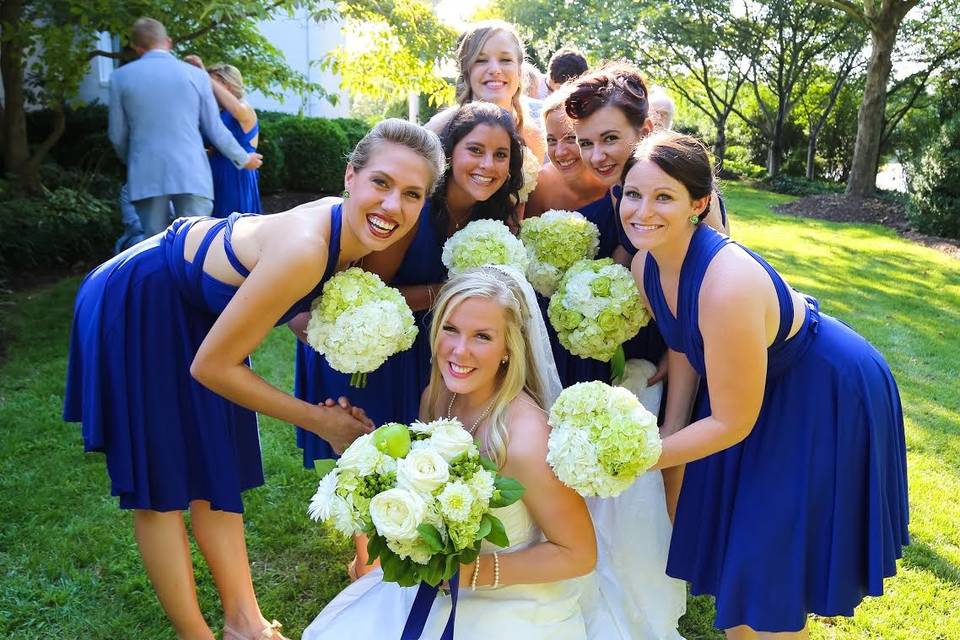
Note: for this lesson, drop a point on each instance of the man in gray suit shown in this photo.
(158, 108)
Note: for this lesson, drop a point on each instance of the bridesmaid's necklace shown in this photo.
(483, 414)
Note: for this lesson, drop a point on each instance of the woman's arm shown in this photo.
(734, 313)
(244, 324)
(240, 110)
(570, 548)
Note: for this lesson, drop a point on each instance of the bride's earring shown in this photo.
(505, 359)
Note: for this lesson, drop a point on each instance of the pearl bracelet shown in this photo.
(476, 572)
(496, 570)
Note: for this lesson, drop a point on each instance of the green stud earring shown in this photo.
(694, 219)
(346, 194)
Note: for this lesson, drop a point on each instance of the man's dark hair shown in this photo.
(566, 64)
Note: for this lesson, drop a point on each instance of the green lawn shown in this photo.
(69, 566)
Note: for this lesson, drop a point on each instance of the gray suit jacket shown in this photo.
(158, 108)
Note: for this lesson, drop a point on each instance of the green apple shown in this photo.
(393, 439)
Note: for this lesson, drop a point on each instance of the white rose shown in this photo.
(449, 439)
(362, 456)
(423, 470)
(396, 513)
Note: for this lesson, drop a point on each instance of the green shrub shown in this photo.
(744, 169)
(84, 144)
(935, 184)
(315, 154)
(354, 129)
(273, 172)
(59, 229)
(794, 186)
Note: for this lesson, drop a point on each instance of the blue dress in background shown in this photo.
(809, 513)
(138, 322)
(235, 189)
(393, 391)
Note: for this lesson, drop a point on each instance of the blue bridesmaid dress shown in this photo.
(235, 189)
(808, 514)
(393, 391)
(138, 322)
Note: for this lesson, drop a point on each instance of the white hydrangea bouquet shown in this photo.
(596, 309)
(480, 243)
(358, 322)
(421, 494)
(554, 241)
(601, 439)
(531, 171)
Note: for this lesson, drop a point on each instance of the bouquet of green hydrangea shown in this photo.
(596, 309)
(358, 322)
(601, 439)
(422, 495)
(480, 243)
(554, 241)
(531, 171)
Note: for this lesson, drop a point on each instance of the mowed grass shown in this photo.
(69, 566)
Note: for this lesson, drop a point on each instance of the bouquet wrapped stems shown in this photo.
(618, 364)
(358, 379)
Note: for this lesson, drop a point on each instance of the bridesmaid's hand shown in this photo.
(195, 60)
(661, 371)
(338, 426)
(356, 412)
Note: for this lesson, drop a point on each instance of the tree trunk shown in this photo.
(811, 155)
(16, 151)
(720, 145)
(30, 173)
(863, 172)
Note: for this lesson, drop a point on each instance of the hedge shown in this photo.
(935, 184)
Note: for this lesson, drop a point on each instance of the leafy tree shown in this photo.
(47, 45)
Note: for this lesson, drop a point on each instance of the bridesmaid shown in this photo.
(483, 174)
(609, 110)
(795, 495)
(159, 377)
(490, 56)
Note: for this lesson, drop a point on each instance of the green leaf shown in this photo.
(497, 535)
(432, 574)
(451, 564)
(324, 467)
(432, 537)
(375, 547)
(488, 464)
(392, 565)
(509, 492)
(486, 525)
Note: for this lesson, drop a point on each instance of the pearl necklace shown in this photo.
(483, 414)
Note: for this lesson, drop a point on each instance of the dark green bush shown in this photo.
(84, 144)
(935, 184)
(315, 154)
(57, 230)
(354, 129)
(273, 172)
(794, 186)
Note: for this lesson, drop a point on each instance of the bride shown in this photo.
(493, 370)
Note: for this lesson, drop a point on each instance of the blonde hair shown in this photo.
(516, 375)
(407, 134)
(230, 76)
(554, 101)
(471, 43)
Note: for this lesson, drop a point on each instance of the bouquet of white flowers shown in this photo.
(596, 309)
(358, 322)
(554, 241)
(480, 243)
(423, 496)
(531, 170)
(601, 439)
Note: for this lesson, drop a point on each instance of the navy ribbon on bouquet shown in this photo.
(420, 611)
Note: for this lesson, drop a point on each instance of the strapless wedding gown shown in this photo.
(371, 608)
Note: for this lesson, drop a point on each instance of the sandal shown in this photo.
(269, 632)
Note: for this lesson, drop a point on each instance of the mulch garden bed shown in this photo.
(889, 213)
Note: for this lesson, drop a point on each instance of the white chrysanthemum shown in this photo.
(358, 322)
(320, 503)
(456, 501)
(531, 170)
(423, 470)
(596, 309)
(554, 241)
(483, 242)
(601, 439)
(481, 483)
(396, 513)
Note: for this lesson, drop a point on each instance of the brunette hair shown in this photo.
(615, 84)
(566, 64)
(682, 157)
(501, 205)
